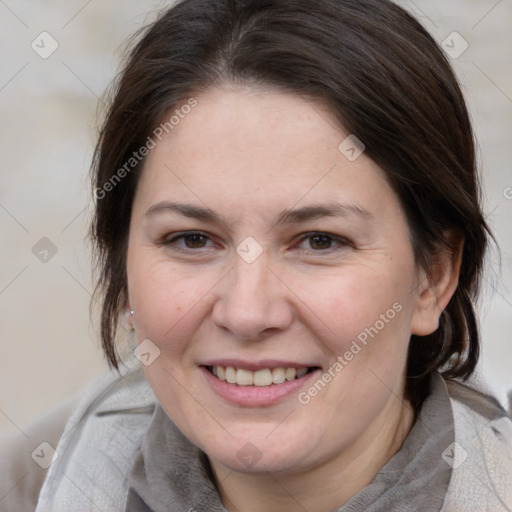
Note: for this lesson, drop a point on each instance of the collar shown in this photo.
(170, 473)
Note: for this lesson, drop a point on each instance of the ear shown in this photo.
(437, 286)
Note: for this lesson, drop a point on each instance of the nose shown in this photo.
(252, 302)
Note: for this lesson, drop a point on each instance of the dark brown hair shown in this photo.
(385, 80)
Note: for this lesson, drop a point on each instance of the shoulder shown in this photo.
(24, 455)
(481, 456)
(99, 444)
(99, 417)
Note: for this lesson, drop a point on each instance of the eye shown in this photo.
(318, 241)
(189, 240)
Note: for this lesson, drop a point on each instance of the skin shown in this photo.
(248, 154)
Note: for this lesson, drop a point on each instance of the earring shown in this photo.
(132, 329)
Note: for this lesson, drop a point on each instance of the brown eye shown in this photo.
(184, 241)
(319, 242)
(195, 241)
(323, 242)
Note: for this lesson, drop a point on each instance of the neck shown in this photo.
(324, 487)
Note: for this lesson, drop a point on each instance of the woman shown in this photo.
(288, 219)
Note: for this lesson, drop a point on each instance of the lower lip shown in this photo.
(255, 396)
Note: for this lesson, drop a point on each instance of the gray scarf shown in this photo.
(171, 474)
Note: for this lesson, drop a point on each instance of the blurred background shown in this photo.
(57, 58)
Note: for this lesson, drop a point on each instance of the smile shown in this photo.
(261, 383)
(261, 378)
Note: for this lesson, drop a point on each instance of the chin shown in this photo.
(260, 456)
(252, 462)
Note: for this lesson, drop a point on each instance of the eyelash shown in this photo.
(342, 242)
(182, 236)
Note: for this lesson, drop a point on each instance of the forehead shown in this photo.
(242, 148)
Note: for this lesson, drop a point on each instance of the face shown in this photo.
(258, 248)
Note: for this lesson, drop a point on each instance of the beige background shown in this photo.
(48, 344)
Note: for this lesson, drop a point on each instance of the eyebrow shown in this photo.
(290, 216)
(187, 210)
(325, 210)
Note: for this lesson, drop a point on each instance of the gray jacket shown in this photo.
(95, 455)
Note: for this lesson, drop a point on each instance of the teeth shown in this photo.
(301, 372)
(291, 373)
(244, 378)
(261, 378)
(278, 375)
(230, 375)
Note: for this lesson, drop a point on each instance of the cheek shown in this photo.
(384, 342)
(360, 300)
(368, 314)
(368, 335)
(166, 301)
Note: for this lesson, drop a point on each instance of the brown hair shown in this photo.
(383, 77)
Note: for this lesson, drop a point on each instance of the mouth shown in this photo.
(263, 377)
(257, 384)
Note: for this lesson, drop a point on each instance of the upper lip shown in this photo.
(257, 365)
